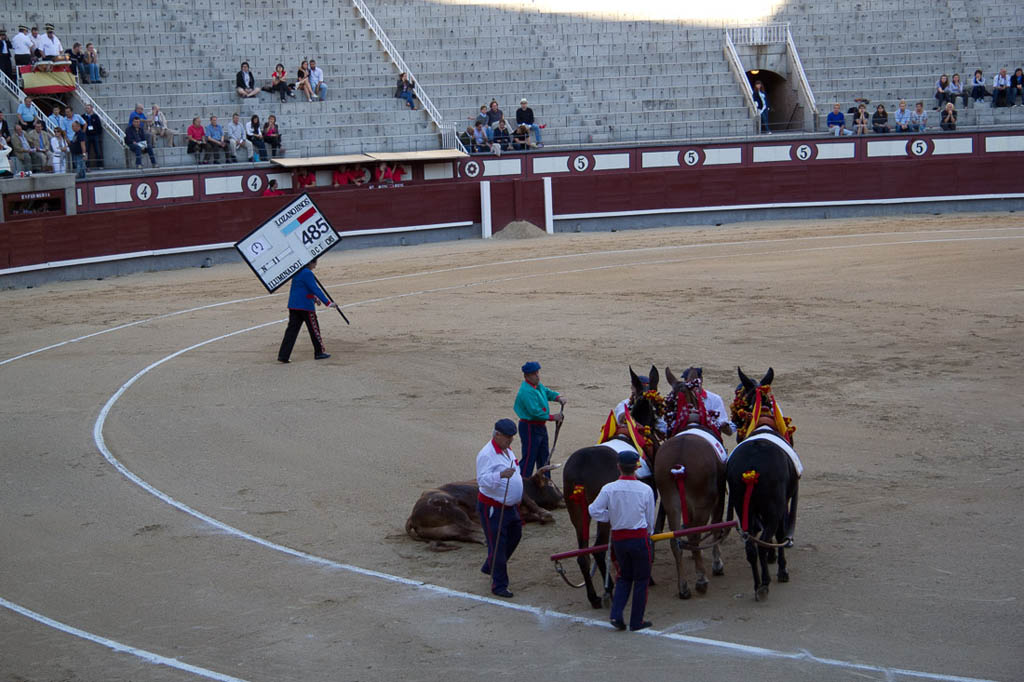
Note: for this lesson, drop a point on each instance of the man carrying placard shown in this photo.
(305, 294)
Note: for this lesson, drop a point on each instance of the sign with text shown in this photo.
(286, 243)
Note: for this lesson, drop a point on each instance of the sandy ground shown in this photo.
(897, 349)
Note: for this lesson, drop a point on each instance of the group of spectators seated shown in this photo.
(491, 133)
(217, 144)
(76, 140)
(309, 80)
(1007, 91)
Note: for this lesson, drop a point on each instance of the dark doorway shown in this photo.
(783, 106)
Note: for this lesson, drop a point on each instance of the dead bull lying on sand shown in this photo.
(449, 511)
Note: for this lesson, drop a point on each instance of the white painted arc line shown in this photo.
(147, 656)
(540, 612)
(500, 263)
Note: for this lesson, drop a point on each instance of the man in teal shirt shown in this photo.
(532, 409)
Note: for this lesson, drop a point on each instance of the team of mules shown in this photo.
(690, 476)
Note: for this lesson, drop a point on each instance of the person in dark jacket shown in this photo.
(406, 89)
(524, 117)
(93, 137)
(245, 82)
(6, 55)
(305, 294)
(135, 138)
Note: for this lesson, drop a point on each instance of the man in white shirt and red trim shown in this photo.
(628, 505)
(501, 491)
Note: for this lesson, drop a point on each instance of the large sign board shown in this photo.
(286, 243)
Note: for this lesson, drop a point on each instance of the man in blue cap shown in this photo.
(501, 491)
(531, 407)
(628, 505)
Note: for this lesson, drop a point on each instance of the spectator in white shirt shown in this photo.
(157, 125)
(49, 44)
(1000, 89)
(237, 138)
(21, 45)
(316, 80)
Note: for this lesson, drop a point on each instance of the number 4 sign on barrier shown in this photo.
(286, 243)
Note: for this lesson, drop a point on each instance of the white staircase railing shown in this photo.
(766, 34)
(801, 76)
(19, 94)
(449, 137)
(739, 73)
(109, 125)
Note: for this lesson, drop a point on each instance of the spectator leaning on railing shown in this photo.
(49, 44)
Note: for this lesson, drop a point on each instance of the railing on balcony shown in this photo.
(766, 34)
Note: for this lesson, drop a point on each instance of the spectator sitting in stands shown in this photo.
(70, 118)
(503, 136)
(5, 164)
(1016, 88)
(92, 63)
(302, 81)
(482, 139)
(494, 114)
(836, 122)
(860, 120)
(524, 116)
(948, 117)
(157, 126)
(216, 144)
(197, 140)
(237, 139)
(521, 138)
(303, 178)
(902, 117)
(79, 151)
(59, 150)
(316, 81)
(919, 118)
(26, 113)
(1001, 89)
(93, 137)
(135, 138)
(39, 140)
(466, 138)
(880, 120)
(406, 89)
(77, 58)
(278, 83)
(5, 132)
(255, 135)
(272, 190)
(245, 82)
(347, 175)
(482, 116)
(942, 94)
(22, 150)
(978, 91)
(138, 113)
(956, 89)
(382, 174)
(272, 136)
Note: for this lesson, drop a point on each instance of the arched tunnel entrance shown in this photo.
(783, 106)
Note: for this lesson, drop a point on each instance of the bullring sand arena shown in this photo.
(177, 505)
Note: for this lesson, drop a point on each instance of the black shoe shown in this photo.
(283, 360)
(322, 356)
(486, 570)
(618, 624)
(643, 626)
(502, 593)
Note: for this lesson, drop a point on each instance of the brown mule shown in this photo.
(704, 487)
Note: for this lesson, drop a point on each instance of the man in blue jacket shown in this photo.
(531, 407)
(305, 294)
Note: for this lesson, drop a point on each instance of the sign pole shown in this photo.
(324, 289)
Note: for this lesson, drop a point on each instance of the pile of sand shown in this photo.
(520, 229)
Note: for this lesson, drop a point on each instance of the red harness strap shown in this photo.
(681, 485)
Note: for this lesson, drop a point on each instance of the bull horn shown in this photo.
(548, 467)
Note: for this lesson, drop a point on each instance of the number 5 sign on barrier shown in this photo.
(286, 243)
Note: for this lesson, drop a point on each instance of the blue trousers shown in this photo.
(534, 439)
(501, 541)
(633, 560)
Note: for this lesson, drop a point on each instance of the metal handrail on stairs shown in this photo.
(449, 136)
(19, 94)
